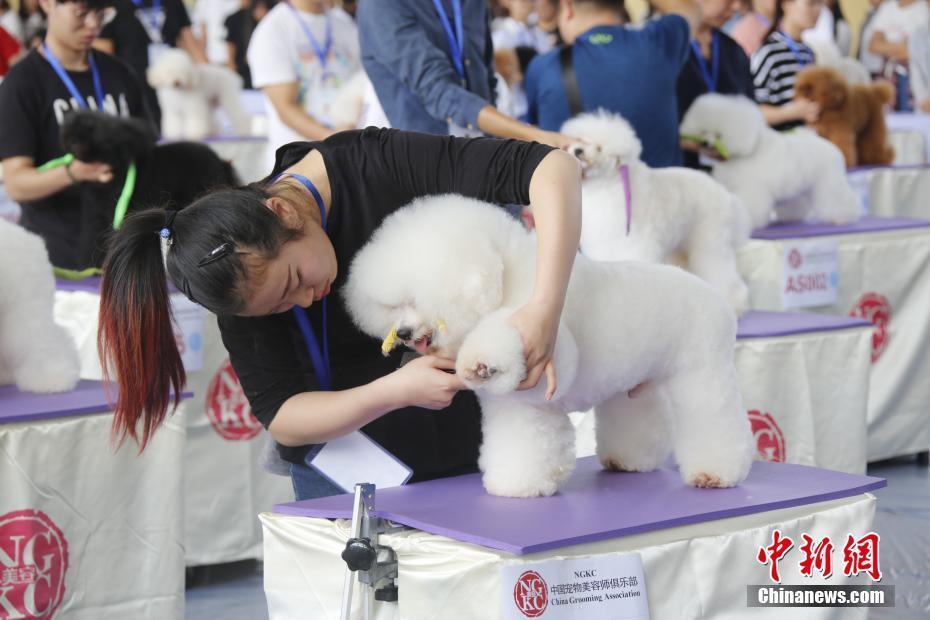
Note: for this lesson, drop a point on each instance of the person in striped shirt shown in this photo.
(778, 60)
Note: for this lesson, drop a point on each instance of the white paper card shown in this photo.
(810, 275)
(605, 587)
(356, 458)
(188, 331)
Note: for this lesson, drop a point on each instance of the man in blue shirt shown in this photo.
(431, 63)
(632, 72)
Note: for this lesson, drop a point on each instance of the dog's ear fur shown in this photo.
(97, 136)
(837, 90)
(482, 288)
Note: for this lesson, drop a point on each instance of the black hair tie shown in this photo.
(167, 231)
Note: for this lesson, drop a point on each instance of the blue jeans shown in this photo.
(309, 483)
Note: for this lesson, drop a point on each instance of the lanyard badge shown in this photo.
(321, 51)
(711, 76)
(455, 39)
(69, 83)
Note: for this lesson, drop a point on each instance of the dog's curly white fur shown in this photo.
(36, 353)
(447, 272)
(678, 215)
(779, 176)
(188, 92)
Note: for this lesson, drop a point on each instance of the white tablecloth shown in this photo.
(883, 277)
(224, 486)
(910, 147)
(894, 191)
(693, 571)
(115, 516)
(905, 121)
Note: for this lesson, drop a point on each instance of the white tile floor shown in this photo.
(902, 521)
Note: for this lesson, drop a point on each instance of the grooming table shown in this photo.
(698, 546)
(92, 531)
(224, 486)
(893, 191)
(883, 269)
(910, 147)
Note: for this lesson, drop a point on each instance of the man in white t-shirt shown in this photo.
(300, 55)
(895, 22)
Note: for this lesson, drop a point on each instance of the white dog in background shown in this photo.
(188, 92)
(625, 325)
(778, 176)
(36, 353)
(677, 215)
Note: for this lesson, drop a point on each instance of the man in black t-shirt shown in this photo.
(141, 28)
(34, 99)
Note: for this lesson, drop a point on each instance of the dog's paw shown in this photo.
(479, 371)
(491, 357)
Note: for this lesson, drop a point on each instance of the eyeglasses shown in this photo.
(81, 13)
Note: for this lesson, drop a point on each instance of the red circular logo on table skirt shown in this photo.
(33, 563)
(875, 309)
(770, 442)
(794, 258)
(227, 407)
(531, 594)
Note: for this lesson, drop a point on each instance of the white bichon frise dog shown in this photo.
(625, 325)
(779, 176)
(188, 92)
(36, 353)
(677, 215)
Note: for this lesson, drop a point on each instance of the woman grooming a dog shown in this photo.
(778, 60)
(268, 258)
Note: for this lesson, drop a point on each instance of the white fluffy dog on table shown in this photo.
(677, 215)
(188, 92)
(628, 325)
(780, 177)
(36, 353)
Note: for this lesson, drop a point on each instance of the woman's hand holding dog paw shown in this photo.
(424, 382)
(538, 330)
(93, 171)
(806, 110)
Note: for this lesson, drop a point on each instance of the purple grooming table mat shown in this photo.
(796, 230)
(757, 324)
(594, 504)
(86, 397)
(89, 285)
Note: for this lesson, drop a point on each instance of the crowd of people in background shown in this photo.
(461, 67)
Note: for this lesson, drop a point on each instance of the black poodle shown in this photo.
(167, 175)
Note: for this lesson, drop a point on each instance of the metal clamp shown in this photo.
(374, 563)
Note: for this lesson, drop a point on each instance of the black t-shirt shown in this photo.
(734, 78)
(372, 173)
(133, 28)
(239, 27)
(33, 101)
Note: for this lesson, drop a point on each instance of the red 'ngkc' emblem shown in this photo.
(770, 442)
(875, 309)
(227, 407)
(33, 563)
(531, 594)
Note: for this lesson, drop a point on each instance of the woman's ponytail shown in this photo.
(135, 338)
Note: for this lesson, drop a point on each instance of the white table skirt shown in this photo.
(910, 147)
(119, 514)
(224, 486)
(693, 571)
(908, 121)
(879, 272)
(894, 191)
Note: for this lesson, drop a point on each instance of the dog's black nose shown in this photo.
(404, 333)
(578, 151)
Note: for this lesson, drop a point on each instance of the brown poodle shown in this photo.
(851, 116)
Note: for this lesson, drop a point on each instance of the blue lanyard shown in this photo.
(69, 83)
(319, 358)
(793, 46)
(156, 9)
(321, 52)
(710, 77)
(457, 39)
